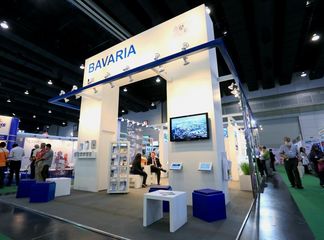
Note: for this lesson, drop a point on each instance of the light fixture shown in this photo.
(34, 116)
(49, 111)
(253, 122)
(62, 92)
(50, 82)
(130, 78)
(74, 87)
(112, 85)
(152, 104)
(315, 37)
(63, 123)
(8, 100)
(231, 87)
(95, 90)
(157, 80)
(47, 126)
(307, 3)
(90, 80)
(37, 128)
(82, 66)
(126, 68)
(4, 25)
(123, 111)
(122, 119)
(208, 10)
(13, 114)
(303, 74)
(225, 32)
(26, 92)
(185, 45)
(125, 89)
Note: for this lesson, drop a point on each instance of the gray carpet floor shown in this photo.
(122, 215)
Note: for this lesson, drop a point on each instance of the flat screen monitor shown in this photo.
(189, 128)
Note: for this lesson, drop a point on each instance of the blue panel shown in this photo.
(13, 132)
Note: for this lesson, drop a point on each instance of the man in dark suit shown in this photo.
(155, 166)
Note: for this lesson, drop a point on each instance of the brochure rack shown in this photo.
(119, 168)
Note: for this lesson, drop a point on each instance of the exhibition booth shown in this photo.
(191, 145)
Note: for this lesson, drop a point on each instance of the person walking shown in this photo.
(15, 157)
(4, 153)
(265, 156)
(317, 157)
(289, 153)
(272, 160)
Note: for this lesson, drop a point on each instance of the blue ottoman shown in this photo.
(42, 192)
(160, 187)
(208, 204)
(24, 187)
(24, 175)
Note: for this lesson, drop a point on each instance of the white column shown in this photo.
(98, 121)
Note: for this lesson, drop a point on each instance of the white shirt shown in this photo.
(16, 154)
(37, 150)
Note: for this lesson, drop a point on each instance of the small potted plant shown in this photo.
(245, 179)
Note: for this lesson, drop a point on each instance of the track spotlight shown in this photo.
(231, 87)
(112, 85)
(27, 92)
(8, 100)
(50, 82)
(4, 25)
(130, 78)
(125, 89)
(62, 92)
(82, 66)
(95, 90)
(185, 45)
(126, 68)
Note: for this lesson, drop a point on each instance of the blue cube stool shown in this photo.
(160, 187)
(208, 204)
(24, 175)
(42, 192)
(24, 187)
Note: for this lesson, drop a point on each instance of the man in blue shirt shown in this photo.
(289, 153)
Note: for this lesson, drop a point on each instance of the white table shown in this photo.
(153, 209)
(63, 186)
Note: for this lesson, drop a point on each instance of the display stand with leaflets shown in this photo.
(119, 168)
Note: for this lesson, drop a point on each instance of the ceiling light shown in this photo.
(82, 66)
(66, 100)
(152, 104)
(50, 82)
(125, 89)
(26, 92)
(37, 128)
(157, 80)
(208, 10)
(307, 3)
(303, 74)
(13, 114)
(4, 25)
(63, 123)
(47, 126)
(225, 32)
(34, 116)
(8, 100)
(74, 87)
(49, 111)
(315, 37)
(123, 111)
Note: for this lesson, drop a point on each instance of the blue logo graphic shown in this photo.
(112, 58)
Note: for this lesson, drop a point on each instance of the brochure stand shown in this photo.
(119, 168)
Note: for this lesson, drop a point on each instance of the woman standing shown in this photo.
(305, 161)
(317, 157)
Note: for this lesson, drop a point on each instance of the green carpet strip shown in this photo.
(309, 200)
(8, 190)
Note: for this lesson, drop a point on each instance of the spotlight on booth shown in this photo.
(130, 79)
(111, 85)
(160, 68)
(95, 90)
(75, 87)
(232, 86)
(62, 93)
(185, 45)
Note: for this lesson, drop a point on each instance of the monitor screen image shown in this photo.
(190, 127)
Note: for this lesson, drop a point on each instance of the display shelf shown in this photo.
(118, 179)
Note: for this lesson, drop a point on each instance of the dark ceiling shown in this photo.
(268, 40)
